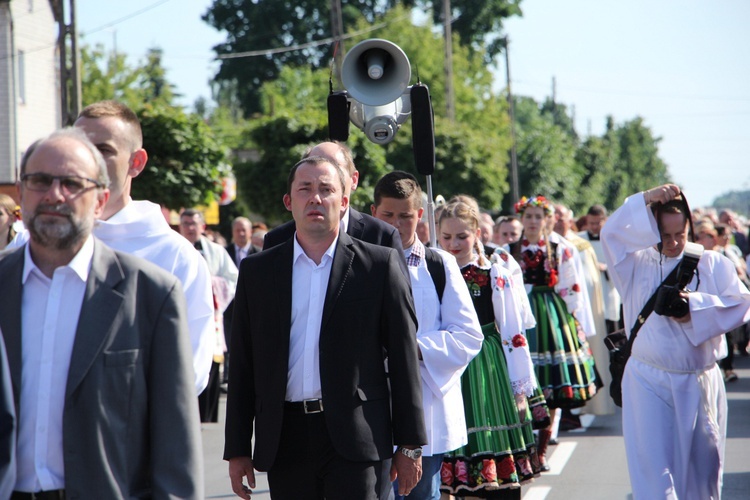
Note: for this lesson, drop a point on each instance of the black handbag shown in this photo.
(620, 346)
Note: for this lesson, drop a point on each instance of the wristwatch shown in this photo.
(413, 454)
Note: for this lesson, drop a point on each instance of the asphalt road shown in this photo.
(588, 464)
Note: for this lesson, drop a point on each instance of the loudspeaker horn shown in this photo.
(375, 72)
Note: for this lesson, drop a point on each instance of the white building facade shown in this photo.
(29, 79)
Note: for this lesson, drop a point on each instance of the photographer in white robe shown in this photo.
(674, 403)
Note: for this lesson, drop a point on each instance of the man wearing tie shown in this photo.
(314, 318)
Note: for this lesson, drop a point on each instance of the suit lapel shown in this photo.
(101, 302)
(282, 271)
(342, 264)
(10, 314)
(356, 227)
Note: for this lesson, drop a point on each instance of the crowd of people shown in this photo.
(361, 358)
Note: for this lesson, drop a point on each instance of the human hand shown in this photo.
(685, 318)
(239, 467)
(661, 194)
(408, 472)
(522, 404)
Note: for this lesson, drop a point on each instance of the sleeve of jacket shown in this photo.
(399, 325)
(176, 451)
(7, 427)
(238, 431)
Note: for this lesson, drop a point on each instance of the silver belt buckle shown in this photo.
(315, 406)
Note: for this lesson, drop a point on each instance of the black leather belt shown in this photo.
(40, 495)
(307, 406)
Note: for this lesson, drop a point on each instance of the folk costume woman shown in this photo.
(562, 358)
(501, 454)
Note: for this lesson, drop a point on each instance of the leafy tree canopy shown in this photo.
(186, 163)
(270, 24)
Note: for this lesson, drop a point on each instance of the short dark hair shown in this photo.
(191, 212)
(315, 160)
(597, 210)
(399, 185)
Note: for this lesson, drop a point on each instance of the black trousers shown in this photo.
(307, 467)
(208, 401)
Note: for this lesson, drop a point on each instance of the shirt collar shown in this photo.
(80, 264)
(415, 253)
(299, 251)
(344, 224)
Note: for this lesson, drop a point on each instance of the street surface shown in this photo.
(588, 464)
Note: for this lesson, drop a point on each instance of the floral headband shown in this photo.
(535, 201)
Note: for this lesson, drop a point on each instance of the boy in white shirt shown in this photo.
(449, 334)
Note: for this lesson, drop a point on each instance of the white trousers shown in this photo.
(674, 426)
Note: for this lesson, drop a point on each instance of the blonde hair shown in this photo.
(11, 208)
(466, 209)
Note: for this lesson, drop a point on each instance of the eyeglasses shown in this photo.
(71, 184)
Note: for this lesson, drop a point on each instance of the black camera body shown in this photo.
(669, 302)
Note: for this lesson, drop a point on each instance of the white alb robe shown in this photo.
(674, 404)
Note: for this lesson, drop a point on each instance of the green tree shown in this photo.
(477, 22)
(471, 153)
(186, 164)
(258, 24)
(110, 76)
(546, 156)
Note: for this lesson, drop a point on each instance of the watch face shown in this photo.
(413, 454)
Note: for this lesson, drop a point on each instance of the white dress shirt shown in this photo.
(309, 285)
(49, 317)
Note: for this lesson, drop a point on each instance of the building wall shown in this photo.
(37, 71)
(7, 93)
(35, 79)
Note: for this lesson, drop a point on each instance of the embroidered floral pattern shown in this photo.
(489, 470)
(446, 473)
(475, 279)
(518, 340)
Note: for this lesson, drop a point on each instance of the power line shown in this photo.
(125, 18)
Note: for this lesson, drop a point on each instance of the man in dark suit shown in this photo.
(238, 249)
(313, 318)
(356, 224)
(98, 346)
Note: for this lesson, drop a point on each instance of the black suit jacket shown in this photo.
(368, 310)
(361, 226)
(231, 251)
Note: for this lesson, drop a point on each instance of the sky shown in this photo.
(681, 65)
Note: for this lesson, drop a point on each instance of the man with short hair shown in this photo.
(356, 224)
(595, 219)
(508, 230)
(449, 335)
(223, 283)
(97, 345)
(673, 396)
(314, 318)
(241, 245)
(139, 228)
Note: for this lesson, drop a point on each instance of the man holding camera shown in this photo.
(674, 403)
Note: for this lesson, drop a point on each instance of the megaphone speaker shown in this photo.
(375, 72)
(423, 129)
(338, 116)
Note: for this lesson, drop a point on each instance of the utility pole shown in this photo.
(337, 30)
(450, 99)
(70, 71)
(554, 90)
(514, 186)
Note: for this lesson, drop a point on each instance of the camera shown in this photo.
(669, 302)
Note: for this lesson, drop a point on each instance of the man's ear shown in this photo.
(287, 202)
(355, 180)
(101, 202)
(137, 162)
(344, 204)
(420, 212)
(374, 210)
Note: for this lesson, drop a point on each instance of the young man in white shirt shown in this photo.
(448, 336)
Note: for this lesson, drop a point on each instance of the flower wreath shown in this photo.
(535, 201)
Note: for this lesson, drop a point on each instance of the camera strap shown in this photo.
(670, 280)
